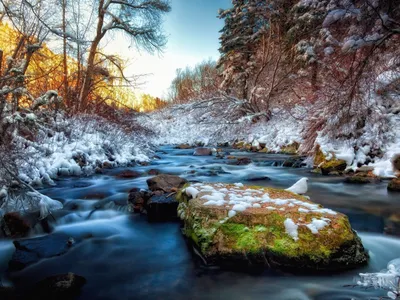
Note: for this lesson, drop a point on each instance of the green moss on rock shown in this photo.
(290, 149)
(257, 236)
(331, 166)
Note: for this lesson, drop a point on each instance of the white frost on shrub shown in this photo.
(78, 146)
(387, 279)
(46, 204)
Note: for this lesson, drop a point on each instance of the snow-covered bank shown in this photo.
(187, 124)
(74, 146)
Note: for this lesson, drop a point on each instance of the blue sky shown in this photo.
(192, 28)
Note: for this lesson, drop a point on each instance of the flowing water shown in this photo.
(129, 258)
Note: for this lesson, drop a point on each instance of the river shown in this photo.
(129, 258)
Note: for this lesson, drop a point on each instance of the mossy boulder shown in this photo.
(333, 165)
(241, 145)
(290, 149)
(274, 230)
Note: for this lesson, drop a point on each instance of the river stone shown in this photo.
(14, 225)
(166, 183)
(202, 152)
(256, 178)
(396, 162)
(29, 251)
(153, 172)
(241, 161)
(128, 174)
(338, 165)
(62, 286)
(259, 236)
(362, 178)
(394, 185)
(137, 200)
(183, 146)
(162, 208)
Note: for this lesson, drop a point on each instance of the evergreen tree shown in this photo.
(245, 23)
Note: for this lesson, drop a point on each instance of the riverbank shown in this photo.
(129, 258)
(375, 145)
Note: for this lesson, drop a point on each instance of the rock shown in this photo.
(223, 145)
(231, 157)
(144, 163)
(256, 178)
(334, 173)
(301, 236)
(95, 195)
(338, 165)
(62, 286)
(14, 225)
(183, 146)
(29, 251)
(162, 208)
(137, 200)
(128, 174)
(202, 152)
(316, 171)
(80, 158)
(199, 144)
(241, 161)
(293, 162)
(107, 165)
(165, 182)
(238, 145)
(364, 169)
(396, 162)
(290, 149)
(153, 172)
(394, 185)
(362, 178)
(242, 146)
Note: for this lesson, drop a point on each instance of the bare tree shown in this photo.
(140, 20)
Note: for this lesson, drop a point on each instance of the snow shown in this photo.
(239, 207)
(91, 141)
(300, 187)
(317, 225)
(291, 228)
(238, 200)
(231, 213)
(191, 192)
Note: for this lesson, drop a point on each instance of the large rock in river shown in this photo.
(166, 183)
(202, 151)
(239, 226)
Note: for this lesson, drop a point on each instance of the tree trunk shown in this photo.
(65, 66)
(87, 81)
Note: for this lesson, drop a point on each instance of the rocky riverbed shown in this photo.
(121, 255)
